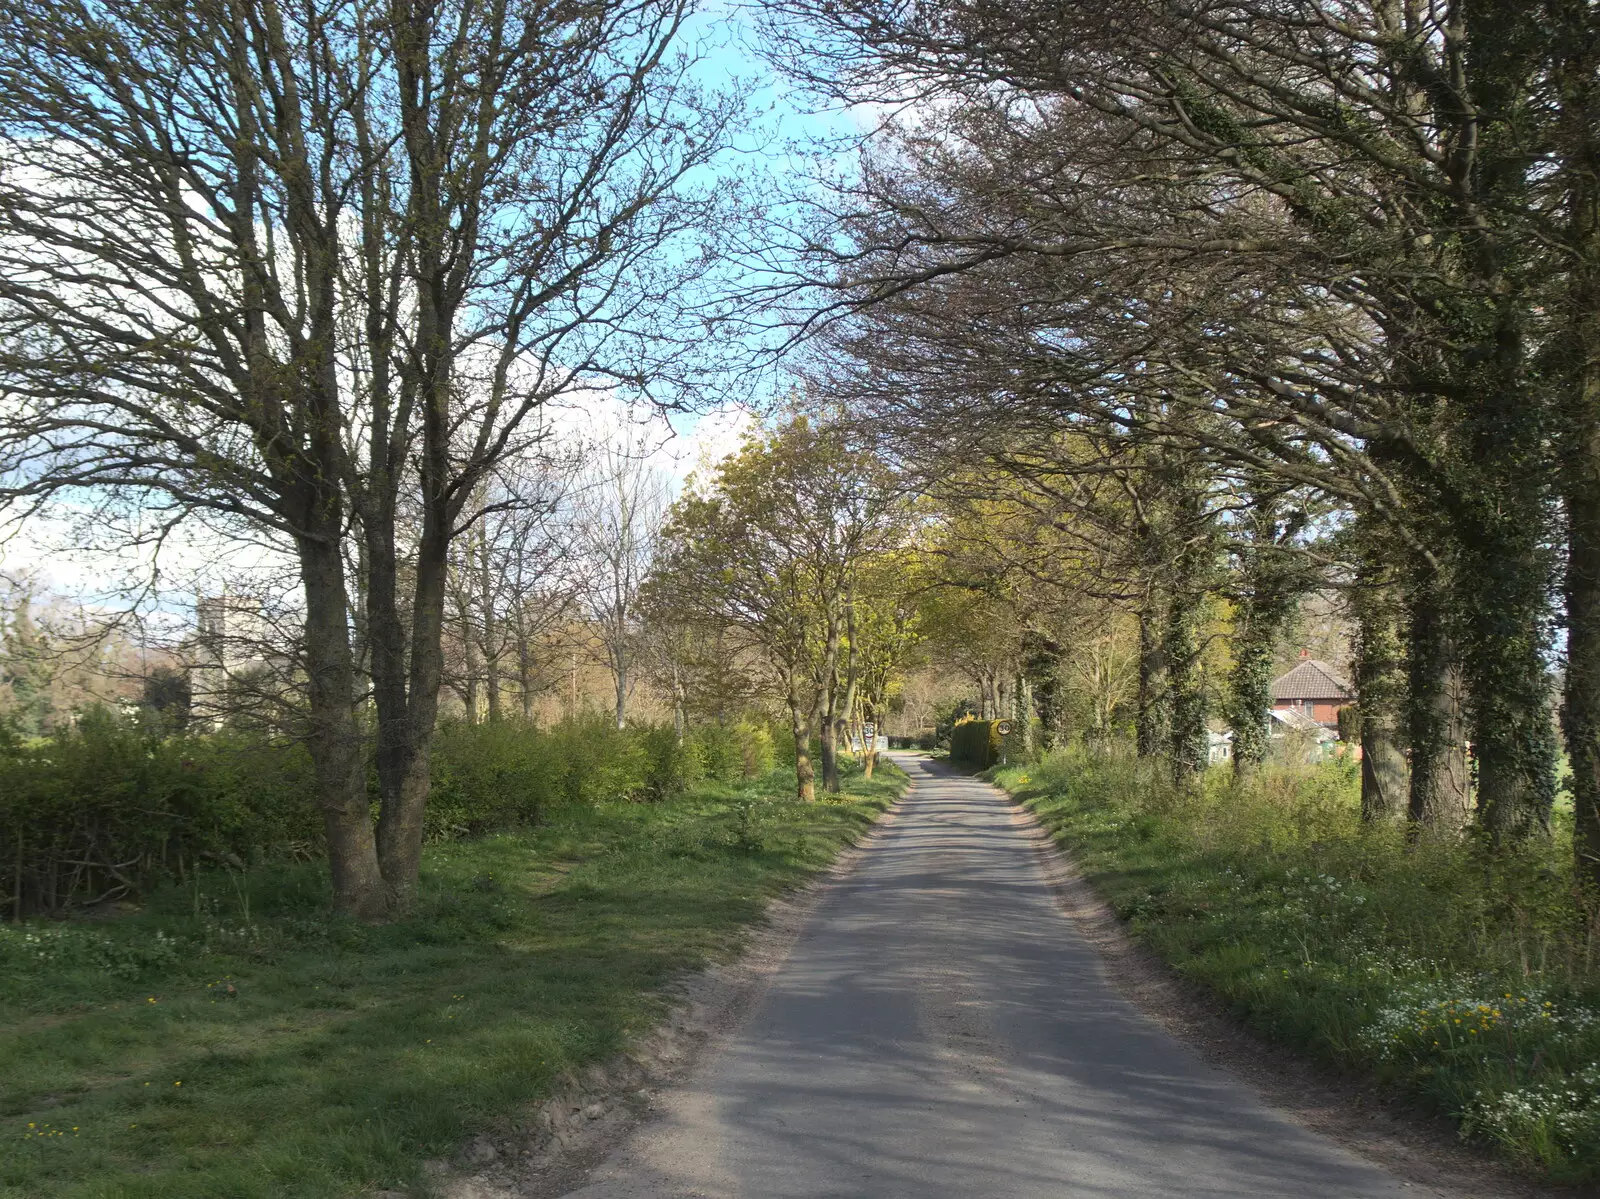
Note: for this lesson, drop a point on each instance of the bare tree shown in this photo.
(617, 515)
(313, 268)
(511, 582)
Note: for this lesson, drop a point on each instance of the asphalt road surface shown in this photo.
(940, 1030)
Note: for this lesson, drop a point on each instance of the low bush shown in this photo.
(91, 812)
(114, 804)
(727, 752)
(1461, 977)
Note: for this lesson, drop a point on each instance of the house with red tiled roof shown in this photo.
(1312, 690)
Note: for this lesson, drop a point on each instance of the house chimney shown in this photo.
(1304, 654)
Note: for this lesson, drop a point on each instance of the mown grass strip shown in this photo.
(1461, 978)
(229, 1040)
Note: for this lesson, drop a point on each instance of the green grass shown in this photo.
(1461, 979)
(344, 1056)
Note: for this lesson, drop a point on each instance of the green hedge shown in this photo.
(103, 809)
(978, 743)
(96, 809)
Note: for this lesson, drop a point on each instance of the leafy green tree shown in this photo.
(772, 544)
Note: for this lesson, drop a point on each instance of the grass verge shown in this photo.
(1461, 979)
(230, 1040)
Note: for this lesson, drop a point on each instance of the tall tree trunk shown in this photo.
(1578, 365)
(469, 659)
(1182, 651)
(525, 672)
(406, 785)
(846, 710)
(828, 754)
(1154, 722)
(869, 745)
(1502, 504)
(800, 726)
(1043, 663)
(387, 631)
(1580, 712)
(828, 701)
(1440, 796)
(335, 738)
(1250, 692)
(1024, 717)
(1380, 684)
(491, 629)
(679, 717)
(1269, 586)
(1501, 592)
(619, 668)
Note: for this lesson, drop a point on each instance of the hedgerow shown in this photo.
(105, 808)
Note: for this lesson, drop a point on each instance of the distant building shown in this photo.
(1219, 746)
(230, 646)
(1313, 691)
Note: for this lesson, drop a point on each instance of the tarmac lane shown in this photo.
(939, 1029)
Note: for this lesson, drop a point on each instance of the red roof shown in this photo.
(1312, 679)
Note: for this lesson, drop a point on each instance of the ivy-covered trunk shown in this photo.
(1042, 662)
(1504, 580)
(1440, 796)
(1154, 722)
(1268, 585)
(1022, 703)
(1577, 370)
(1250, 690)
(1182, 650)
(1192, 536)
(1580, 712)
(1380, 681)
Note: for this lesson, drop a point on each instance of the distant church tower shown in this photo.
(231, 639)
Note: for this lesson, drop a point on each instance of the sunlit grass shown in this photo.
(1463, 979)
(193, 1051)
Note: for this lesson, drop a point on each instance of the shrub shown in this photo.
(717, 752)
(100, 810)
(90, 811)
(977, 743)
(488, 776)
(757, 747)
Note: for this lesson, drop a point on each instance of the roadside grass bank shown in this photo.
(230, 1039)
(1463, 980)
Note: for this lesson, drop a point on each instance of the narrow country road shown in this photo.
(940, 1030)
